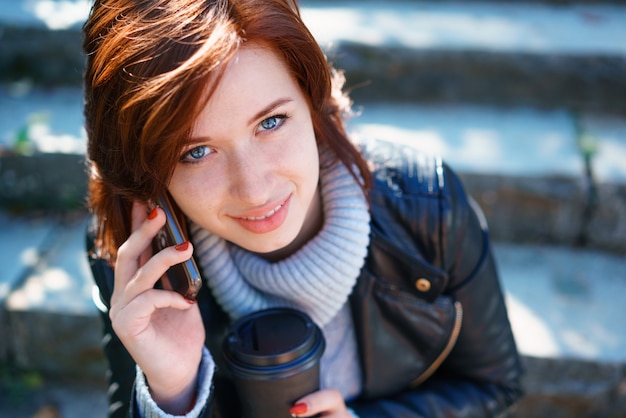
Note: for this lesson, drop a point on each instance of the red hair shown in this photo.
(148, 63)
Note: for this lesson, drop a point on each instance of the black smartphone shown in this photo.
(183, 278)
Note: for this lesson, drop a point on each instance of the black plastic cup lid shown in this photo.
(273, 337)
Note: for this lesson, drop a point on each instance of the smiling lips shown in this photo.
(269, 214)
(268, 222)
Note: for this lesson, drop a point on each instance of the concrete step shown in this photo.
(30, 395)
(538, 54)
(479, 52)
(525, 167)
(564, 305)
(46, 299)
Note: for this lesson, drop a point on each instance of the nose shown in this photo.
(250, 178)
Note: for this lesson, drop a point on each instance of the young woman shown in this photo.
(231, 108)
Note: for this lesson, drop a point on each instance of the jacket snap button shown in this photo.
(422, 284)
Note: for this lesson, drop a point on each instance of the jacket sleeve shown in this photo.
(481, 376)
(122, 371)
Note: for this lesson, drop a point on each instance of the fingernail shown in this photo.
(182, 247)
(153, 213)
(297, 409)
(190, 301)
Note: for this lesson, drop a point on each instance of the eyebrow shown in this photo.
(269, 108)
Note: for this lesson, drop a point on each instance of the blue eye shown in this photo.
(195, 154)
(272, 122)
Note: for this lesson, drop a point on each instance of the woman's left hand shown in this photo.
(324, 403)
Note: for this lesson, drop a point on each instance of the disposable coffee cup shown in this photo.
(273, 356)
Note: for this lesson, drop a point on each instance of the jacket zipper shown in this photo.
(447, 349)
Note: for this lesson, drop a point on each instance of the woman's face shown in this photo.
(250, 170)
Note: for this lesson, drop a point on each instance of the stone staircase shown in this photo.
(524, 99)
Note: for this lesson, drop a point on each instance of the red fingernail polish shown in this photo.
(182, 247)
(153, 213)
(299, 408)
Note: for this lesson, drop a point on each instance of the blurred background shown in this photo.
(526, 100)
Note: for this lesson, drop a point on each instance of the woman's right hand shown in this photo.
(161, 330)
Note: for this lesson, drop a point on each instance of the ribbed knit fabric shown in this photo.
(317, 279)
(146, 406)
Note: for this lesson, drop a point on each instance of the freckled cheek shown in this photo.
(300, 147)
(188, 191)
(297, 164)
(309, 156)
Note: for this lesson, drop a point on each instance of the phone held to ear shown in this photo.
(183, 278)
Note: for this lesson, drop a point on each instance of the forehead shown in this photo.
(252, 67)
(254, 77)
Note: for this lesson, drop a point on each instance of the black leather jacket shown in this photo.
(431, 324)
